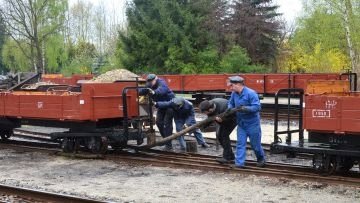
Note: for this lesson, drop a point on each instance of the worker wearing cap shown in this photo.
(160, 92)
(184, 114)
(248, 121)
(224, 126)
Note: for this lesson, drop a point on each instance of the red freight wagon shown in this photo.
(331, 116)
(96, 114)
(95, 101)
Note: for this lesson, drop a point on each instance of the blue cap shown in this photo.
(150, 77)
(236, 79)
(179, 101)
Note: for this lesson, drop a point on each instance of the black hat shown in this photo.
(206, 105)
(236, 79)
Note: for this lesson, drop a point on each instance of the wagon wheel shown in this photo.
(330, 165)
(6, 134)
(97, 144)
(346, 165)
(68, 145)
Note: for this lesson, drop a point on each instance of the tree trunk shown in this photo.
(346, 15)
(192, 128)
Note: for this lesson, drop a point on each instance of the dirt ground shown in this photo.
(120, 182)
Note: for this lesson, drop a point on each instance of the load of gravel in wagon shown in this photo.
(115, 75)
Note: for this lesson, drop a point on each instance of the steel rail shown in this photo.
(21, 194)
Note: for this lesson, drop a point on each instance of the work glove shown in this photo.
(151, 91)
(244, 109)
(142, 100)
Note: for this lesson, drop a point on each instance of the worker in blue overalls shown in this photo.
(184, 115)
(248, 121)
(159, 91)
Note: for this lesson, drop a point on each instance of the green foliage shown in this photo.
(165, 37)
(322, 27)
(13, 57)
(83, 56)
(56, 54)
(3, 68)
(317, 61)
(256, 27)
(238, 61)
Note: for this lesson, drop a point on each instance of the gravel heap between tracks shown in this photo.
(114, 75)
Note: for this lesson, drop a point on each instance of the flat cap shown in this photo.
(179, 101)
(150, 77)
(206, 105)
(236, 79)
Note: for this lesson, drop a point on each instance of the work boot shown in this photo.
(222, 160)
(238, 166)
(205, 145)
(261, 163)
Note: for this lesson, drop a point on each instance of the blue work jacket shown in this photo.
(250, 100)
(162, 91)
(183, 112)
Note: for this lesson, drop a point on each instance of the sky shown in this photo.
(289, 8)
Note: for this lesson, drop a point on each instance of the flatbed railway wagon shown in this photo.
(330, 113)
(96, 114)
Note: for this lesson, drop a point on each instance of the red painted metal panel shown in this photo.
(12, 105)
(334, 113)
(2, 104)
(208, 82)
(175, 82)
(274, 82)
(42, 106)
(300, 80)
(255, 82)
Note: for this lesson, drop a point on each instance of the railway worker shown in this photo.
(224, 126)
(160, 92)
(248, 121)
(184, 114)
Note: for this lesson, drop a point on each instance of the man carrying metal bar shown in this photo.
(160, 92)
(248, 121)
(224, 127)
(184, 114)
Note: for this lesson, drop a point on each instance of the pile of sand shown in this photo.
(115, 75)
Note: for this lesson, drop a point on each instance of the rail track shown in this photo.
(160, 158)
(20, 194)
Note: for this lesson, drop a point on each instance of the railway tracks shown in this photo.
(19, 194)
(197, 161)
(208, 163)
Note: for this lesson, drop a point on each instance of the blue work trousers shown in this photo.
(189, 121)
(253, 131)
(164, 118)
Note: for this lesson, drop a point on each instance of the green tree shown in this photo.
(83, 55)
(13, 56)
(164, 36)
(33, 22)
(256, 28)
